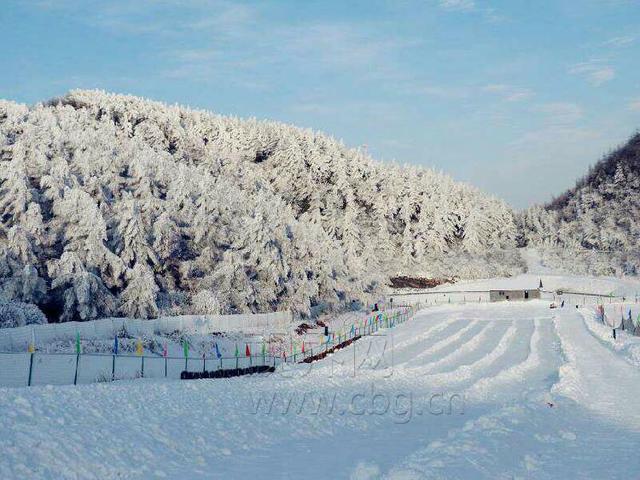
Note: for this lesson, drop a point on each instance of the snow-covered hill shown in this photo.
(115, 204)
(594, 227)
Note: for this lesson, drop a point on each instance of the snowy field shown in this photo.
(461, 391)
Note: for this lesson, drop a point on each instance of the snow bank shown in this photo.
(18, 339)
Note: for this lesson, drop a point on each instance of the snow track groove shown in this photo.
(447, 342)
(464, 352)
(538, 370)
(467, 372)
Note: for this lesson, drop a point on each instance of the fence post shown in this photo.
(165, 366)
(30, 368)
(113, 367)
(75, 376)
(204, 363)
(142, 367)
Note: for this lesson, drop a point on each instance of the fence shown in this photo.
(18, 339)
(482, 296)
(620, 316)
(38, 368)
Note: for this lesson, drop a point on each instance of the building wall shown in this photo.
(510, 295)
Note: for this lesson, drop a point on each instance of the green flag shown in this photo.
(237, 351)
(264, 349)
(185, 347)
(78, 347)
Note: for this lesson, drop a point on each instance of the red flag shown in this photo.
(303, 346)
(247, 351)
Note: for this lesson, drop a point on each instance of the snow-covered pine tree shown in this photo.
(138, 299)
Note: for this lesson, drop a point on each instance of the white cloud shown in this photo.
(457, 5)
(634, 105)
(560, 113)
(508, 93)
(622, 41)
(595, 71)
(334, 44)
(469, 6)
(440, 91)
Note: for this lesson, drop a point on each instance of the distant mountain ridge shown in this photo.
(594, 227)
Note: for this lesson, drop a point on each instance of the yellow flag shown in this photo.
(139, 350)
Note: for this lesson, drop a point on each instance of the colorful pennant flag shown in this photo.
(218, 354)
(165, 350)
(115, 345)
(237, 352)
(185, 348)
(247, 350)
(78, 346)
(139, 349)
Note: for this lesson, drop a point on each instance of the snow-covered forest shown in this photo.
(115, 205)
(594, 227)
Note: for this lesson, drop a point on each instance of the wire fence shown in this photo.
(41, 368)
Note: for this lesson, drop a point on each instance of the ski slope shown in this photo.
(460, 391)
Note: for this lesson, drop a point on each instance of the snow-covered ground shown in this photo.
(461, 391)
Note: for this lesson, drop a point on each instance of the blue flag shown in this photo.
(115, 345)
(218, 354)
(353, 330)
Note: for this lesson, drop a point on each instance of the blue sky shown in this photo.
(517, 97)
